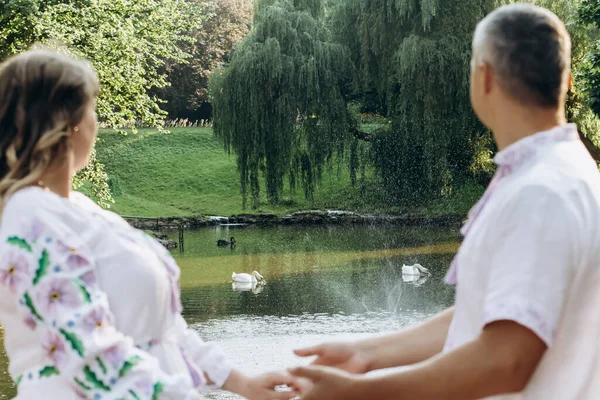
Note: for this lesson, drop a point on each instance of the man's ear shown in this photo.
(489, 79)
(569, 80)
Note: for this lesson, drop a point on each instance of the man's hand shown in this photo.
(344, 356)
(405, 347)
(501, 360)
(328, 383)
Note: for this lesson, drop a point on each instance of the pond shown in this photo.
(323, 283)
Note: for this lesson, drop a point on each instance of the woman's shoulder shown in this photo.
(34, 205)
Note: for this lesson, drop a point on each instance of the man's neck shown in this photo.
(519, 123)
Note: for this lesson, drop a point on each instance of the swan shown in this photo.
(247, 278)
(227, 243)
(415, 270)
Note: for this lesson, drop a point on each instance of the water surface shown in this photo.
(323, 283)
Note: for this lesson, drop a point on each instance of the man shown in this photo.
(526, 323)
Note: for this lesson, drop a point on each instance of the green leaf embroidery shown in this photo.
(29, 304)
(44, 262)
(82, 385)
(101, 364)
(48, 371)
(158, 389)
(84, 292)
(75, 342)
(91, 377)
(22, 243)
(129, 364)
(18, 380)
(134, 395)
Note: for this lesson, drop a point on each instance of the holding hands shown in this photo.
(334, 373)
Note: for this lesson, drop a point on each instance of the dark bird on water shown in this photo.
(227, 243)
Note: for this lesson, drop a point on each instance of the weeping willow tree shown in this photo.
(412, 58)
(279, 104)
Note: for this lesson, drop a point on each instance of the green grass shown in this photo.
(187, 172)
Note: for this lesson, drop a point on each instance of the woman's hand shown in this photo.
(345, 356)
(264, 387)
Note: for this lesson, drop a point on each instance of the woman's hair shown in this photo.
(43, 96)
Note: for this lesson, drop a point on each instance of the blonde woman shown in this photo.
(90, 306)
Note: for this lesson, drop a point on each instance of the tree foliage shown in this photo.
(590, 16)
(409, 60)
(225, 24)
(127, 41)
(279, 104)
(413, 62)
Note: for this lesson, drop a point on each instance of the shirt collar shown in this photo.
(522, 150)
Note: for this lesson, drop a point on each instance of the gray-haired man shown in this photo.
(526, 323)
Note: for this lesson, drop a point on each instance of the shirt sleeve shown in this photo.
(208, 356)
(206, 361)
(532, 262)
(50, 275)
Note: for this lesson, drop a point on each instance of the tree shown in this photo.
(590, 15)
(127, 41)
(412, 58)
(226, 23)
(279, 104)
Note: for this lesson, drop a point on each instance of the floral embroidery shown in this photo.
(56, 291)
(97, 319)
(55, 348)
(89, 278)
(75, 260)
(34, 230)
(115, 356)
(29, 320)
(15, 271)
(57, 295)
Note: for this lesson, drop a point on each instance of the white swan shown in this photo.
(247, 278)
(415, 270)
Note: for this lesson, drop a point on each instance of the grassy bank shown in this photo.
(187, 173)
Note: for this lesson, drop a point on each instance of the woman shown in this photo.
(90, 306)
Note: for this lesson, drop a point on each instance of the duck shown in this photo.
(255, 277)
(415, 270)
(225, 243)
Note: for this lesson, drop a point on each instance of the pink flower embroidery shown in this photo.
(15, 271)
(145, 386)
(34, 231)
(55, 348)
(115, 356)
(75, 258)
(89, 278)
(97, 319)
(57, 295)
(29, 320)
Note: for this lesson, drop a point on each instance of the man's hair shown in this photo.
(529, 49)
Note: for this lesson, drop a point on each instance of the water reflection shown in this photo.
(253, 287)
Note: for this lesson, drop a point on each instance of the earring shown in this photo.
(76, 129)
